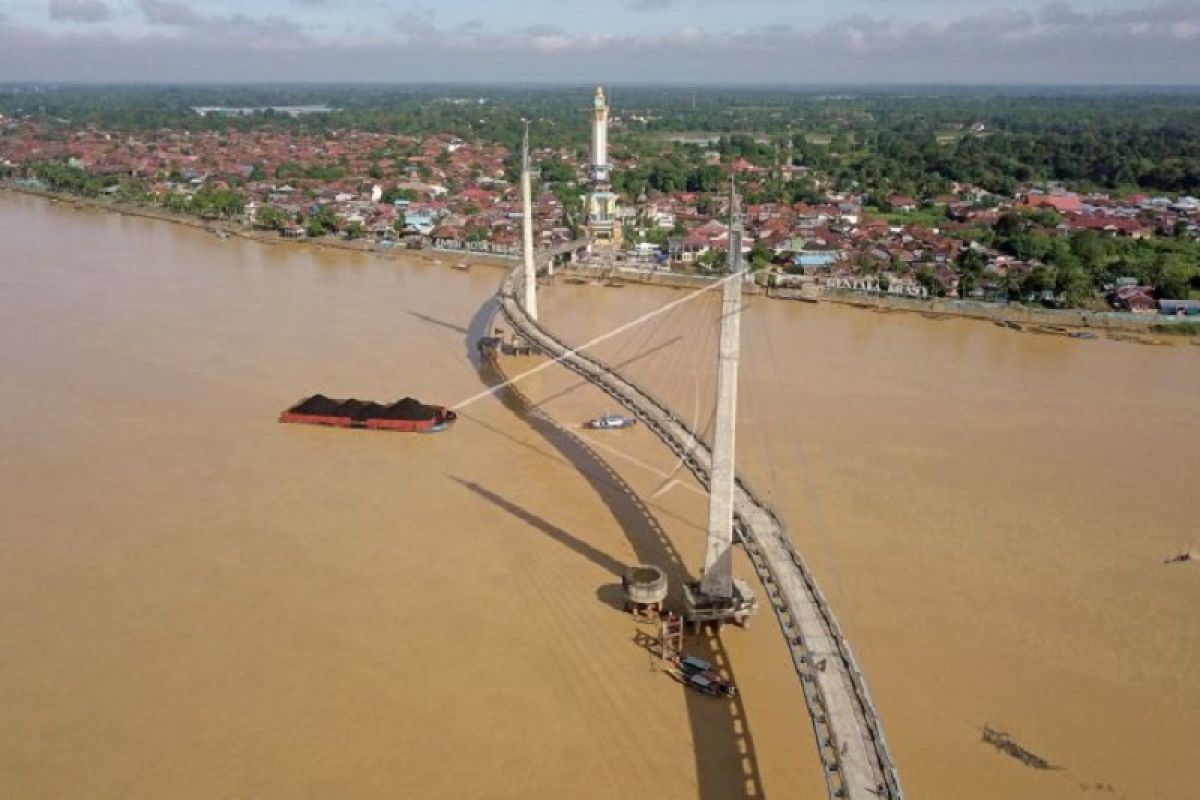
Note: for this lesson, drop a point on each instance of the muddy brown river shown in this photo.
(199, 602)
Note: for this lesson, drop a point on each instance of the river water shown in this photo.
(196, 601)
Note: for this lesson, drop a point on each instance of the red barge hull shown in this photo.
(407, 415)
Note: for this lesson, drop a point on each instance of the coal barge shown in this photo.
(407, 415)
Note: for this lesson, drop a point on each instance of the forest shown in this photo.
(911, 141)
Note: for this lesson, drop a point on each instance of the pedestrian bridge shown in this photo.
(853, 750)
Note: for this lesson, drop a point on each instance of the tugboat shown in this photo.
(610, 422)
(407, 415)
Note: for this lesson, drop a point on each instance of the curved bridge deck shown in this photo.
(850, 737)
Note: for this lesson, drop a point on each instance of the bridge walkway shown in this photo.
(857, 761)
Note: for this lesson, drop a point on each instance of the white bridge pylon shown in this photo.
(716, 581)
(529, 299)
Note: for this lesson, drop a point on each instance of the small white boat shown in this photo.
(610, 422)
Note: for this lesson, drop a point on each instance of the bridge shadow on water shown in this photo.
(438, 322)
(726, 763)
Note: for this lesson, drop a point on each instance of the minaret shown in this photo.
(717, 579)
(601, 204)
(530, 284)
(599, 166)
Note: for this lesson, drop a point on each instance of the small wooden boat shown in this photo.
(610, 422)
(1049, 330)
(696, 673)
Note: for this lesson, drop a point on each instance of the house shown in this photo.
(902, 202)
(1138, 299)
(382, 228)
(1062, 202)
(814, 261)
(476, 196)
(849, 213)
(643, 252)
(947, 279)
(664, 220)
(420, 221)
(1115, 226)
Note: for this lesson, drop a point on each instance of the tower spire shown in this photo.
(600, 136)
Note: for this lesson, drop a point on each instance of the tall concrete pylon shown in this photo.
(717, 578)
(529, 298)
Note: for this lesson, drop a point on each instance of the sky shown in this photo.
(696, 42)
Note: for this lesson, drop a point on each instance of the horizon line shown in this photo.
(589, 84)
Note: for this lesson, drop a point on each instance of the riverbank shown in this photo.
(229, 228)
(1077, 323)
(1132, 328)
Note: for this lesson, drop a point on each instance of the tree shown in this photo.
(1091, 249)
(1072, 282)
(270, 218)
(1039, 279)
(927, 278)
(712, 259)
(355, 230)
(1172, 276)
(320, 222)
(394, 193)
(970, 267)
(218, 201)
(760, 257)
(555, 170)
(313, 228)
